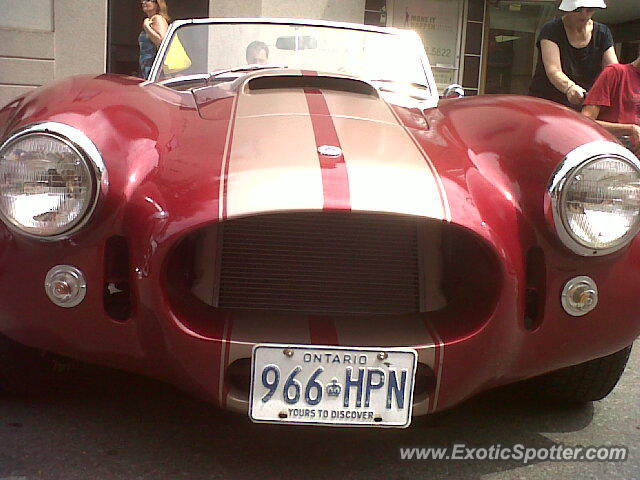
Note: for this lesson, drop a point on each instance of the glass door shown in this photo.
(512, 54)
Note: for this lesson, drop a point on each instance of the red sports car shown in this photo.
(285, 219)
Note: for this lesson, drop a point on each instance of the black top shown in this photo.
(582, 65)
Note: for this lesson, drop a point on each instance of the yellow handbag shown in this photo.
(177, 59)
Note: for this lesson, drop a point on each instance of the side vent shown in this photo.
(118, 301)
(315, 82)
(535, 289)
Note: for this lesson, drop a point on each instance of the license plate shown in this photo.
(326, 385)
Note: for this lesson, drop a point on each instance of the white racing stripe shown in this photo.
(387, 171)
(433, 402)
(273, 164)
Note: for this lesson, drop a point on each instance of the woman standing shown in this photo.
(154, 29)
(573, 50)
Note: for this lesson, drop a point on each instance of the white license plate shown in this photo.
(318, 385)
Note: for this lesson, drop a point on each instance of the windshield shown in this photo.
(212, 47)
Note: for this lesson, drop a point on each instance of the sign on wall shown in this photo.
(438, 22)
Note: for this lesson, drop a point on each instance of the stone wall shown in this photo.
(44, 40)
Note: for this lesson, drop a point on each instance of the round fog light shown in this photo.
(65, 286)
(579, 296)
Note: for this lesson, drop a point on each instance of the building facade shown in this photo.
(488, 46)
(43, 40)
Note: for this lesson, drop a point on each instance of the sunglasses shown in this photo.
(147, 1)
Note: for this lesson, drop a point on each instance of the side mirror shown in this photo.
(453, 91)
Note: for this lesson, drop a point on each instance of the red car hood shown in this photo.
(272, 160)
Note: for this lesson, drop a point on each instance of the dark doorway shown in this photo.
(125, 24)
(511, 46)
(375, 13)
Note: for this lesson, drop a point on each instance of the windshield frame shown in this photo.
(413, 37)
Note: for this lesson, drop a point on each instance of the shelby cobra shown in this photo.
(319, 239)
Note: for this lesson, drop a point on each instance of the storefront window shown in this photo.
(439, 24)
(512, 54)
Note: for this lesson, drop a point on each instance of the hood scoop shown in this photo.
(315, 82)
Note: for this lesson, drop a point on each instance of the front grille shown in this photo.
(347, 263)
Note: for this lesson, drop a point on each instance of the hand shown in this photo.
(576, 94)
(146, 23)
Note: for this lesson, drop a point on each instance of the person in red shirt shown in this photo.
(614, 101)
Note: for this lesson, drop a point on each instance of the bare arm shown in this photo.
(553, 67)
(609, 56)
(156, 29)
(618, 129)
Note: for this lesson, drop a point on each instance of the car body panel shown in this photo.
(179, 162)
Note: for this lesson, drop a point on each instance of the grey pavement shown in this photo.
(112, 425)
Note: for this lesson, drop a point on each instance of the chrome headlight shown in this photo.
(51, 176)
(595, 197)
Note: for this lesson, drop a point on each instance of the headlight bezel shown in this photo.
(574, 161)
(86, 150)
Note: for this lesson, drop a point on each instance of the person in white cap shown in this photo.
(573, 51)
